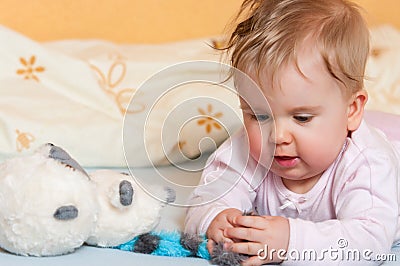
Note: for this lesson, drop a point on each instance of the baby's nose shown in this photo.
(281, 134)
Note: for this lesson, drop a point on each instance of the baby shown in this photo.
(318, 176)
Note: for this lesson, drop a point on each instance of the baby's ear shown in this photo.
(356, 109)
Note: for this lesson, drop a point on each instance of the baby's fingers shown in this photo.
(243, 233)
(258, 253)
(255, 251)
(210, 246)
(218, 239)
(248, 248)
(256, 222)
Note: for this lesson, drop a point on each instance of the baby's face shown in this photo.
(310, 119)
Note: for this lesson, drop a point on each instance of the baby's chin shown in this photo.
(297, 180)
(297, 171)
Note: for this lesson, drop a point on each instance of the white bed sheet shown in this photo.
(172, 218)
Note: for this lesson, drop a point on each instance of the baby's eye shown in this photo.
(260, 118)
(303, 118)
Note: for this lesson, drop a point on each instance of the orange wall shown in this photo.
(131, 21)
(381, 11)
(118, 20)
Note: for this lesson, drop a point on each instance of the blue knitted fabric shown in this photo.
(170, 245)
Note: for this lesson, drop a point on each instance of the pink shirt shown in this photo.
(354, 205)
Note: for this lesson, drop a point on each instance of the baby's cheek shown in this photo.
(260, 148)
(262, 151)
(255, 141)
(322, 152)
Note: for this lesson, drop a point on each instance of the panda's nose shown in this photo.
(125, 193)
(66, 213)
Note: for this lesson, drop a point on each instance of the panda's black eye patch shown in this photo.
(64, 213)
(125, 193)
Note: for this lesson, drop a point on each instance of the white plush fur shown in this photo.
(33, 187)
(116, 223)
(31, 190)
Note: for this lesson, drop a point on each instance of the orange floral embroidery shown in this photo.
(109, 84)
(29, 70)
(209, 121)
(23, 140)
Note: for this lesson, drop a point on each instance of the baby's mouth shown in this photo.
(286, 161)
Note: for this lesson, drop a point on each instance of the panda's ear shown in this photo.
(58, 154)
(171, 195)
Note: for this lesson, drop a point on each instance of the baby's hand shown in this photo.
(256, 232)
(215, 232)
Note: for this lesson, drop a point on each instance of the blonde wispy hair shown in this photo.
(270, 31)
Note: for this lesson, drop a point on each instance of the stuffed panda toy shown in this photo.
(125, 209)
(49, 205)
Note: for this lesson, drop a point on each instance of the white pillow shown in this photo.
(383, 70)
(75, 94)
